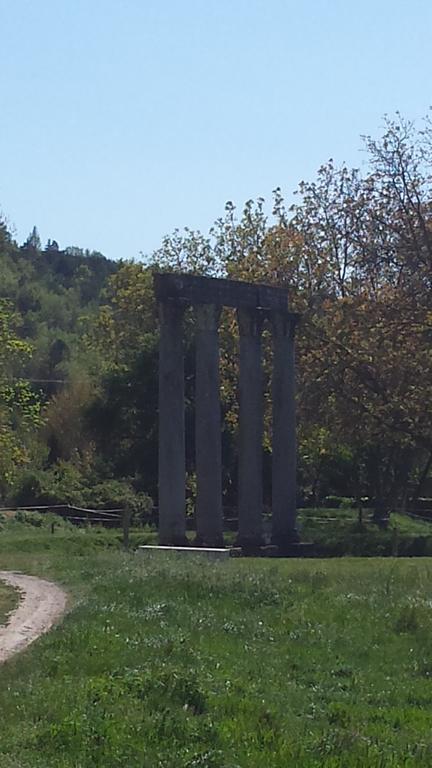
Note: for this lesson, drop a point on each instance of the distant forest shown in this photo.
(78, 353)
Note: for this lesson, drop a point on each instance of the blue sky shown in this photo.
(123, 119)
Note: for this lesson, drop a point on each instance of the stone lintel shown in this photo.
(194, 289)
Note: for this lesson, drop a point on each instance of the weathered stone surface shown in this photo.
(254, 303)
(194, 289)
(297, 549)
(172, 524)
(250, 492)
(208, 428)
(213, 553)
(284, 431)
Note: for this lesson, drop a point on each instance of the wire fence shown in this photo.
(114, 517)
(83, 515)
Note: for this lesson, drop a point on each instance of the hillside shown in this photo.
(54, 293)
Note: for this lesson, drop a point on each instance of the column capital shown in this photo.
(250, 321)
(170, 312)
(207, 317)
(283, 323)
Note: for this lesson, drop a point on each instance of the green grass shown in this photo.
(8, 601)
(337, 532)
(246, 663)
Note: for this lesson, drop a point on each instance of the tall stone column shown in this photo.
(208, 460)
(172, 523)
(284, 431)
(250, 467)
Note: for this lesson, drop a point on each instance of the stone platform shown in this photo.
(296, 549)
(300, 549)
(211, 553)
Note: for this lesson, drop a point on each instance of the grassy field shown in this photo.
(8, 601)
(337, 532)
(310, 664)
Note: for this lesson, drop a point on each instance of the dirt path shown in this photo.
(42, 603)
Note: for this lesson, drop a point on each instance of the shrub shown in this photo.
(119, 494)
(339, 502)
(64, 483)
(34, 519)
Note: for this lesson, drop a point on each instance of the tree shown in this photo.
(19, 406)
(355, 253)
(52, 245)
(33, 242)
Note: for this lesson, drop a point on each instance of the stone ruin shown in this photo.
(254, 304)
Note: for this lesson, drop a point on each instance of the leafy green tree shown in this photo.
(19, 406)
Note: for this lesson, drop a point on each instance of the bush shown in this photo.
(35, 519)
(339, 502)
(66, 484)
(62, 484)
(38, 520)
(119, 494)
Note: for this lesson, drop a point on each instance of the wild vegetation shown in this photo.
(78, 395)
(8, 601)
(221, 665)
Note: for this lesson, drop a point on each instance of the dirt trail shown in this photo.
(42, 603)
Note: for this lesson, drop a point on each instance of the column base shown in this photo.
(250, 546)
(295, 549)
(174, 541)
(285, 540)
(209, 541)
(299, 550)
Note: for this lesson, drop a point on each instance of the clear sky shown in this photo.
(123, 119)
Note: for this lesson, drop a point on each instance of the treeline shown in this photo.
(78, 402)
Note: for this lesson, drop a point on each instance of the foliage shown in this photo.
(9, 599)
(74, 484)
(126, 325)
(354, 252)
(19, 406)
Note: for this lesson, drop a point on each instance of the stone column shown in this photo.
(208, 459)
(172, 523)
(284, 430)
(250, 501)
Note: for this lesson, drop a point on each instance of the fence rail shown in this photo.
(114, 516)
(111, 517)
